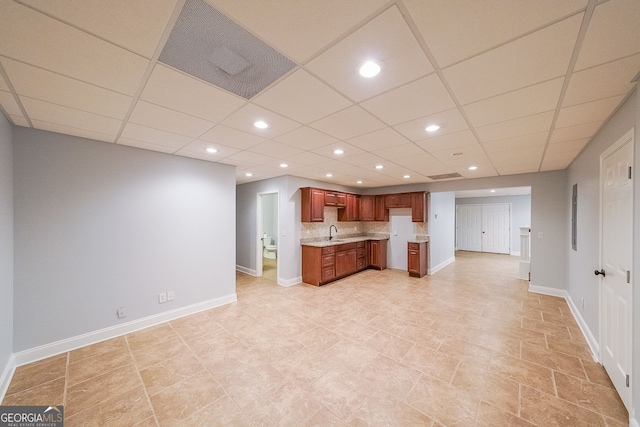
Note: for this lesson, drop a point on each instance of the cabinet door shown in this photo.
(330, 198)
(418, 207)
(413, 260)
(341, 199)
(367, 208)
(317, 205)
(345, 262)
(374, 254)
(381, 212)
(357, 210)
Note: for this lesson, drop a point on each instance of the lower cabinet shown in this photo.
(321, 265)
(417, 256)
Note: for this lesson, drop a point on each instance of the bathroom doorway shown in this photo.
(267, 238)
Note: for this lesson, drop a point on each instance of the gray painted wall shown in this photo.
(100, 226)
(6, 242)
(442, 229)
(270, 216)
(520, 213)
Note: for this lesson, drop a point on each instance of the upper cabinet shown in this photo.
(419, 207)
(367, 208)
(401, 200)
(312, 208)
(334, 198)
(352, 210)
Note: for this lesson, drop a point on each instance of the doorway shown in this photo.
(616, 256)
(484, 228)
(267, 258)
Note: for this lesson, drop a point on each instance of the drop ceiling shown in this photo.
(516, 86)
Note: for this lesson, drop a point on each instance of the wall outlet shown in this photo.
(162, 298)
(540, 235)
(122, 313)
(169, 295)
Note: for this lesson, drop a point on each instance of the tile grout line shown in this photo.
(144, 387)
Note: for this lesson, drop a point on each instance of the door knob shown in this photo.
(600, 272)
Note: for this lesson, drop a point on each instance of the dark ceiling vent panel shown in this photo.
(206, 44)
(445, 176)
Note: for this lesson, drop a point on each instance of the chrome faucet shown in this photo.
(330, 236)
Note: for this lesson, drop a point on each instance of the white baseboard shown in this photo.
(586, 332)
(515, 253)
(7, 374)
(289, 282)
(62, 346)
(440, 266)
(246, 270)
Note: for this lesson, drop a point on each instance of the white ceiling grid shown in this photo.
(515, 86)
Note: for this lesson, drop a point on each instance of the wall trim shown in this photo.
(289, 282)
(515, 253)
(440, 266)
(246, 270)
(633, 422)
(582, 324)
(68, 344)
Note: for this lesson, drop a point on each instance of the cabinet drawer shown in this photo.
(360, 244)
(346, 247)
(414, 246)
(361, 253)
(328, 273)
(361, 263)
(328, 260)
(328, 250)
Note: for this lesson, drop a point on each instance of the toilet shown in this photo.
(269, 250)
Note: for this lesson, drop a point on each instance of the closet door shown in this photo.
(469, 228)
(496, 226)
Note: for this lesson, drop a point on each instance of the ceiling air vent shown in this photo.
(206, 44)
(445, 176)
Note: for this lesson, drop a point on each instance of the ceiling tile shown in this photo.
(249, 157)
(302, 97)
(275, 22)
(134, 25)
(519, 157)
(275, 149)
(386, 39)
(517, 169)
(557, 161)
(153, 136)
(399, 151)
(69, 130)
(519, 142)
(57, 89)
(157, 117)
(378, 140)
(468, 22)
(349, 150)
(539, 98)
(146, 145)
(613, 33)
(603, 81)
(455, 140)
(586, 130)
(349, 123)
(567, 146)
(199, 146)
(367, 161)
(178, 91)
(244, 118)
(29, 36)
(450, 121)
(9, 103)
(517, 127)
(305, 158)
(306, 138)
(588, 112)
(52, 113)
(459, 154)
(417, 99)
(231, 137)
(21, 121)
(3, 85)
(540, 56)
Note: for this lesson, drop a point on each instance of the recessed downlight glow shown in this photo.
(329, 175)
(492, 191)
(472, 168)
(359, 181)
(211, 150)
(406, 176)
(338, 151)
(248, 174)
(369, 69)
(261, 124)
(432, 128)
(284, 165)
(379, 167)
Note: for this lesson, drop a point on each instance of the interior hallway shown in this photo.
(467, 346)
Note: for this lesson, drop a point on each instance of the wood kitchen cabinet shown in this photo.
(362, 255)
(334, 198)
(346, 256)
(367, 208)
(352, 210)
(312, 209)
(381, 211)
(400, 200)
(419, 207)
(378, 254)
(417, 258)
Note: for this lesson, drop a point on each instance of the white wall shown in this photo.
(270, 216)
(520, 213)
(100, 226)
(6, 243)
(442, 227)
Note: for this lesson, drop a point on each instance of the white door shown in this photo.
(616, 255)
(496, 228)
(469, 228)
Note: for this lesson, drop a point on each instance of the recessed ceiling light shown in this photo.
(472, 168)
(379, 167)
(338, 151)
(261, 124)
(406, 176)
(432, 128)
(492, 191)
(369, 69)
(284, 165)
(329, 175)
(211, 150)
(359, 181)
(248, 174)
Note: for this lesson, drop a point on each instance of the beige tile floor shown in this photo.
(467, 346)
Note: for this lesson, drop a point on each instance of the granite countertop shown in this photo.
(324, 241)
(420, 238)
